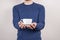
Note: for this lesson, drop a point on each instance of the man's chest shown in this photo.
(28, 12)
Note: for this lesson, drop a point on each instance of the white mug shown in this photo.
(26, 21)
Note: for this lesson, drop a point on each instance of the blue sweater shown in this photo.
(34, 11)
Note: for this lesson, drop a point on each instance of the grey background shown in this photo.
(52, 27)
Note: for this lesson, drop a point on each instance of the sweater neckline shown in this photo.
(28, 5)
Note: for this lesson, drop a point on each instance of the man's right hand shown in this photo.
(21, 25)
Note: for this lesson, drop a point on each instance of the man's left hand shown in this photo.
(32, 26)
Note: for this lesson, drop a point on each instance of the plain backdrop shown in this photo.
(52, 26)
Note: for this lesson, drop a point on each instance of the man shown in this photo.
(29, 9)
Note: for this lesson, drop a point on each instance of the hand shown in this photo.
(21, 25)
(29, 26)
(32, 26)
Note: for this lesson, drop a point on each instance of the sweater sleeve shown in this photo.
(41, 18)
(15, 17)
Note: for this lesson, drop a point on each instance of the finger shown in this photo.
(33, 26)
(24, 26)
(29, 26)
(20, 22)
(21, 26)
